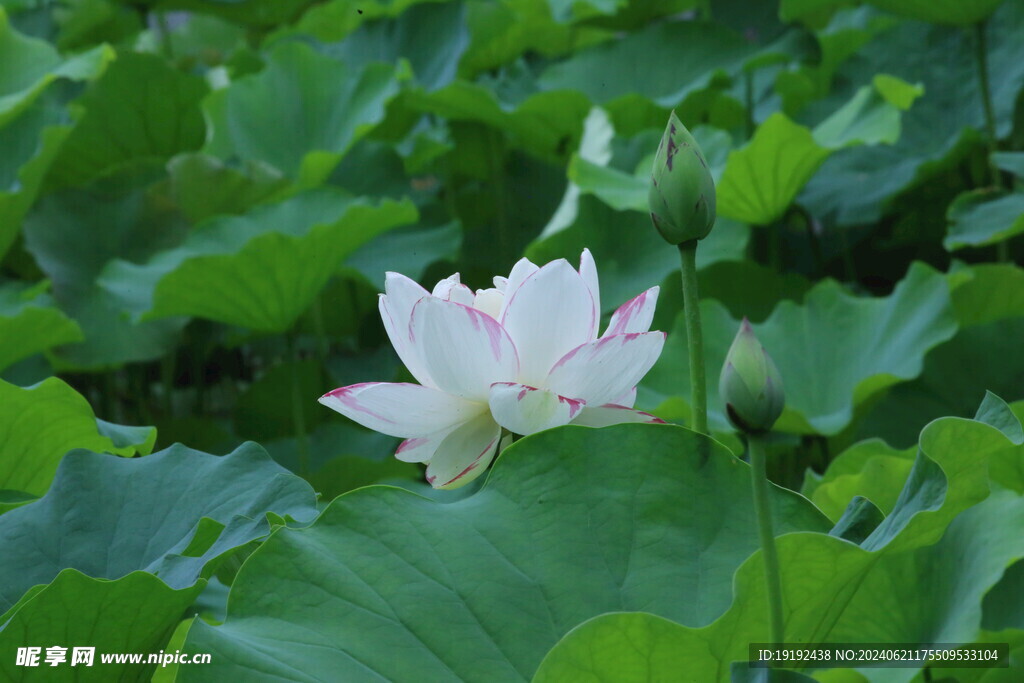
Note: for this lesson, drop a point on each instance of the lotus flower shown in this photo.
(682, 192)
(517, 358)
(750, 384)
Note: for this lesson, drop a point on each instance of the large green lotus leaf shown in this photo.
(543, 123)
(148, 107)
(747, 288)
(38, 425)
(855, 184)
(871, 117)
(993, 291)
(807, 10)
(334, 20)
(630, 254)
(343, 457)
(1011, 162)
(431, 36)
(301, 113)
(637, 647)
(260, 270)
(762, 178)
(571, 523)
(136, 613)
(903, 584)
(664, 62)
(501, 32)
(30, 323)
(955, 378)
(406, 251)
(30, 65)
(30, 143)
(596, 170)
(265, 410)
(871, 469)
(203, 186)
(169, 513)
(833, 352)
(979, 218)
(257, 13)
(141, 439)
(73, 234)
(29, 134)
(940, 11)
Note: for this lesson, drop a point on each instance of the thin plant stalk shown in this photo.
(985, 90)
(763, 513)
(694, 334)
(981, 59)
(298, 415)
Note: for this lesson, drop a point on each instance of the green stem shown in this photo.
(762, 510)
(322, 343)
(981, 59)
(695, 339)
(748, 94)
(704, 9)
(165, 35)
(167, 374)
(298, 415)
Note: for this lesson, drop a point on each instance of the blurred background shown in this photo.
(199, 200)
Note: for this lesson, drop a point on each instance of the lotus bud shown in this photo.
(682, 193)
(750, 385)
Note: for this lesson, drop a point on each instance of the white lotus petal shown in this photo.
(461, 294)
(396, 311)
(489, 301)
(525, 410)
(402, 410)
(550, 314)
(635, 315)
(422, 448)
(627, 400)
(444, 286)
(609, 414)
(602, 370)
(523, 269)
(464, 454)
(500, 282)
(465, 350)
(588, 271)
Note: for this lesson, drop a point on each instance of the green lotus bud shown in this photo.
(682, 193)
(750, 385)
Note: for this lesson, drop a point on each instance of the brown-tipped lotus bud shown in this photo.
(750, 385)
(682, 193)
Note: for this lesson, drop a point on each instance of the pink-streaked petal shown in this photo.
(444, 286)
(489, 301)
(610, 414)
(422, 448)
(523, 269)
(602, 370)
(627, 400)
(402, 410)
(500, 282)
(464, 350)
(464, 454)
(451, 289)
(550, 314)
(461, 294)
(588, 271)
(396, 312)
(635, 315)
(526, 410)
